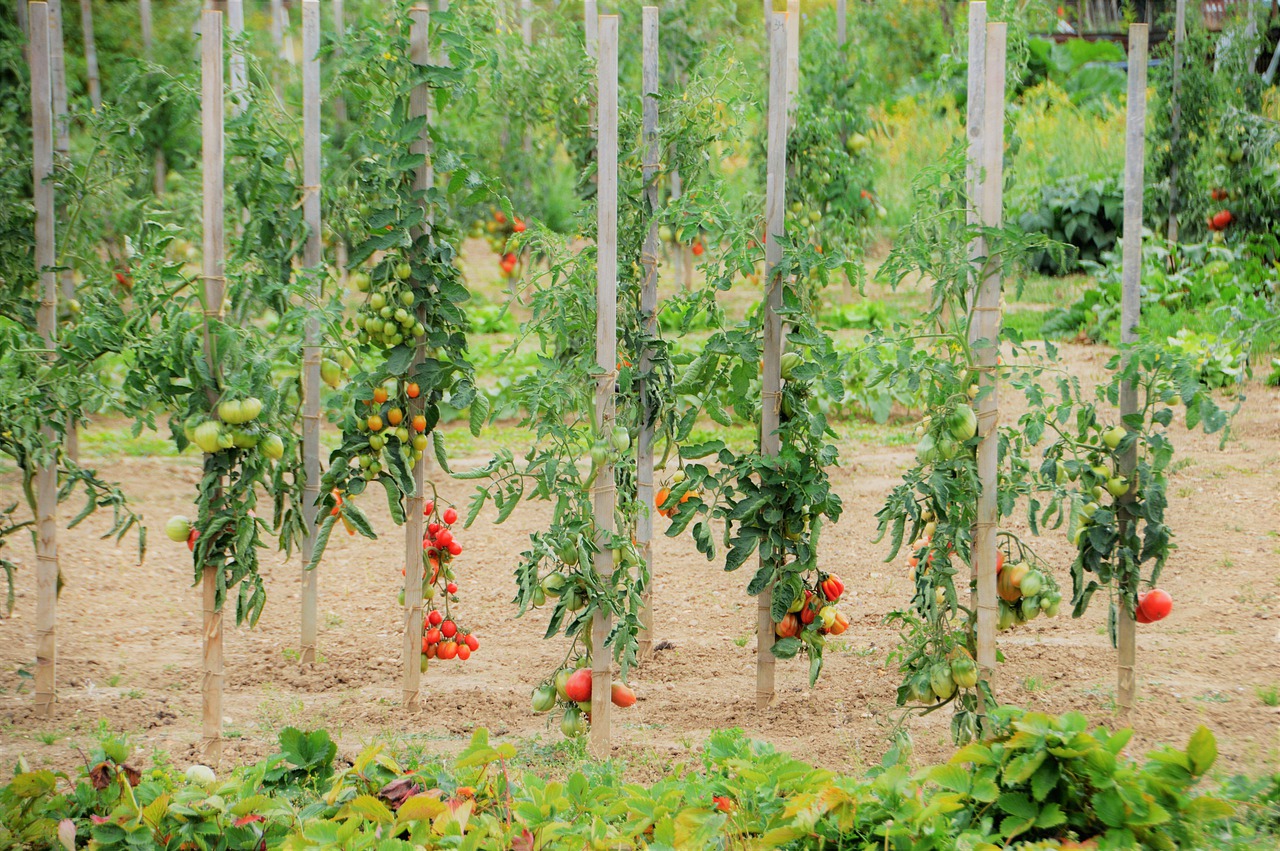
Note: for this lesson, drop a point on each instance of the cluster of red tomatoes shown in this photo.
(816, 609)
(1219, 220)
(498, 230)
(442, 637)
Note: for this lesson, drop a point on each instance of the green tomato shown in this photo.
(407, 298)
(544, 698)
(963, 423)
(377, 301)
(403, 271)
(178, 529)
(790, 361)
(621, 438)
(1112, 436)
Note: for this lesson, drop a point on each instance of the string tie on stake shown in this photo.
(307, 191)
(775, 395)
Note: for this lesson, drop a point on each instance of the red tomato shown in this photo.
(431, 636)
(429, 507)
(1154, 605)
(518, 227)
(434, 617)
(455, 549)
(433, 528)
(450, 516)
(723, 804)
(622, 695)
(448, 629)
(192, 538)
(464, 652)
(832, 587)
(1222, 218)
(447, 650)
(444, 538)
(452, 588)
(578, 686)
(413, 391)
(472, 642)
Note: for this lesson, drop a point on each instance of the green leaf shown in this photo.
(785, 648)
(479, 413)
(1202, 750)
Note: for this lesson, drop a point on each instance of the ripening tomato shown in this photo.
(455, 549)
(448, 629)
(622, 695)
(832, 587)
(472, 642)
(1154, 605)
(380, 395)
(789, 626)
(444, 538)
(447, 650)
(840, 625)
(413, 391)
(660, 498)
(434, 617)
(450, 516)
(431, 636)
(428, 507)
(192, 538)
(722, 803)
(464, 652)
(395, 416)
(433, 529)
(807, 615)
(578, 686)
(518, 227)
(452, 588)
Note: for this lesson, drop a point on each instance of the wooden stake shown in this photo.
(239, 82)
(62, 144)
(144, 21)
(607, 362)
(90, 54)
(419, 105)
(984, 336)
(974, 103)
(1175, 113)
(1130, 313)
(793, 60)
(211, 113)
(46, 321)
(313, 259)
(591, 23)
(842, 22)
(649, 318)
(339, 102)
(771, 379)
(58, 79)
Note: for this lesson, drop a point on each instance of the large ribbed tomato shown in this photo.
(832, 587)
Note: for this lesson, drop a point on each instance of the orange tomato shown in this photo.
(380, 395)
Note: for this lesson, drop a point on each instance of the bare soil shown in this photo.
(129, 634)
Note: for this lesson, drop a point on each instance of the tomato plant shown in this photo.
(403, 263)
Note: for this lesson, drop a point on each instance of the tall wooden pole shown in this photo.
(313, 259)
(1130, 313)
(591, 24)
(974, 104)
(211, 114)
(607, 361)
(340, 103)
(419, 105)
(58, 81)
(90, 53)
(144, 22)
(1175, 114)
(46, 321)
(771, 379)
(842, 22)
(793, 60)
(62, 144)
(239, 82)
(649, 318)
(984, 337)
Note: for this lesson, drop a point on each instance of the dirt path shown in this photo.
(129, 635)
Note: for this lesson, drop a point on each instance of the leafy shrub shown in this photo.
(1040, 779)
(1213, 285)
(1085, 214)
(1079, 67)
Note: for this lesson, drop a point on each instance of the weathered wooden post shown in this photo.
(1130, 314)
(46, 324)
(649, 318)
(771, 378)
(607, 363)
